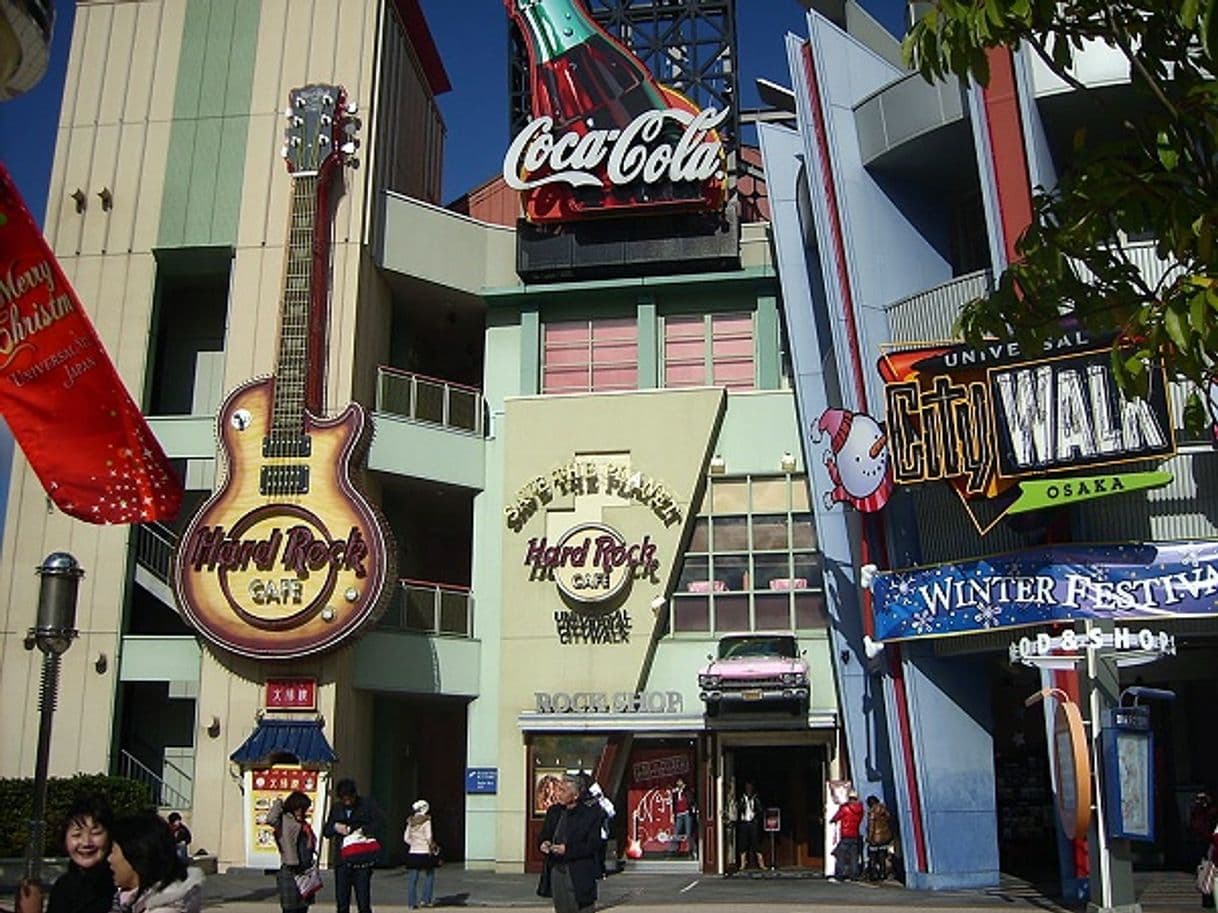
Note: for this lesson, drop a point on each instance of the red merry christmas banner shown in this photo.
(59, 393)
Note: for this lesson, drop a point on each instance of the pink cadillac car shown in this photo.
(761, 668)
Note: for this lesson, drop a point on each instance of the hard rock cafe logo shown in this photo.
(277, 581)
(592, 563)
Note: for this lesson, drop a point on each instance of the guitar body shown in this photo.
(287, 557)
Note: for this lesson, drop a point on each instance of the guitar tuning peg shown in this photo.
(326, 120)
(352, 108)
(323, 140)
(349, 147)
(351, 126)
(287, 112)
(327, 100)
(352, 163)
(284, 151)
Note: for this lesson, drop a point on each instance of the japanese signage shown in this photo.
(291, 694)
(1056, 583)
(983, 419)
(481, 781)
(262, 788)
(606, 136)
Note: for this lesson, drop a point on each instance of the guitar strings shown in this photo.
(287, 409)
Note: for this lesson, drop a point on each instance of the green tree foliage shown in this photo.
(17, 802)
(1156, 176)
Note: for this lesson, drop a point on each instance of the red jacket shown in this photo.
(850, 816)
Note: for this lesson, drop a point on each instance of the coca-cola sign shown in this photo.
(621, 157)
(606, 136)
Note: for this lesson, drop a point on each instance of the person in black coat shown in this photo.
(570, 841)
(351, 813)
(88, 884)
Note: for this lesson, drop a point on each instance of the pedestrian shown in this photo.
(596, 798)
(181, 836)
(879, 838)
(357, 823)
(849, 818)
(570, 839)
(421, 855)
(88, 884)
(683, 819)
(148, 872)
(297, 848)
(1206, 871)
(748, 827)
(1202, 819)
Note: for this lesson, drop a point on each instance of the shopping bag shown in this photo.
(1205, 876)
(309, 883)
(360, 849)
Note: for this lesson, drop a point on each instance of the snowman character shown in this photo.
(858, 461)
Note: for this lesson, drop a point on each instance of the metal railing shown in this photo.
(155, 544)
(431, 400)
(430, 608)
(164, 795)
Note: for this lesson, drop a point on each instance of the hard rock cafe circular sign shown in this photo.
(592, 563)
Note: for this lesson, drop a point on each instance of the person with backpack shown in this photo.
(879, 839)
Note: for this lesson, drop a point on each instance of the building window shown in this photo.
(709, 350)
(587, 356)
(752, 563)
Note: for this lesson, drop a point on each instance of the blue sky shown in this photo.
(472, 38)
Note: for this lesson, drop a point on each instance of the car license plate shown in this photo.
(753, 694)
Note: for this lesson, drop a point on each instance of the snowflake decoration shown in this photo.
(903, 584)
(923, 622)
(988, 616)
(1191, 557)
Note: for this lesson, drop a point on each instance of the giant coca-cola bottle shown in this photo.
(605, 134)
(580, 74)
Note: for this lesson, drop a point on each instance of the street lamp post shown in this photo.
(53, 633)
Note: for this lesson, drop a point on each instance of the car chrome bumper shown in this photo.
(794, 692)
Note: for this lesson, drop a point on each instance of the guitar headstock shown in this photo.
(318, 134)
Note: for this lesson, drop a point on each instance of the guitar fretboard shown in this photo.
(287, 414)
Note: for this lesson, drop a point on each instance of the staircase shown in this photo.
(164, 795)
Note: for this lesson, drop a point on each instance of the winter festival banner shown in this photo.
(1058, 583)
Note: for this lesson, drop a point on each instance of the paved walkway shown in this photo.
(244, 891)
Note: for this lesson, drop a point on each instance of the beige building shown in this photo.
(643, 423)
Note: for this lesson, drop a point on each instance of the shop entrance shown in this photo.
(418, 752)
(1027, 816)
(787, 777)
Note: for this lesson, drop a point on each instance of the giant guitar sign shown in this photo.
(288, 557)
(606, 138)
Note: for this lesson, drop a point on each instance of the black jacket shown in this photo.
(583, 842)
(80, 890)
(364, 815)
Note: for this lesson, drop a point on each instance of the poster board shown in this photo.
(263, 786)
(836, 792)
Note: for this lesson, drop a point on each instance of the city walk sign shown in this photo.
(988, 419)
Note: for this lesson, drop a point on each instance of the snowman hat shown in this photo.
(836, 423)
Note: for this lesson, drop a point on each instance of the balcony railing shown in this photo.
(428, 399)
(430, 608)
(154, 547)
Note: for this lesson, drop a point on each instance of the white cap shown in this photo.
(421, 806)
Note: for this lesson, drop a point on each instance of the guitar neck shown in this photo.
(292, 367)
